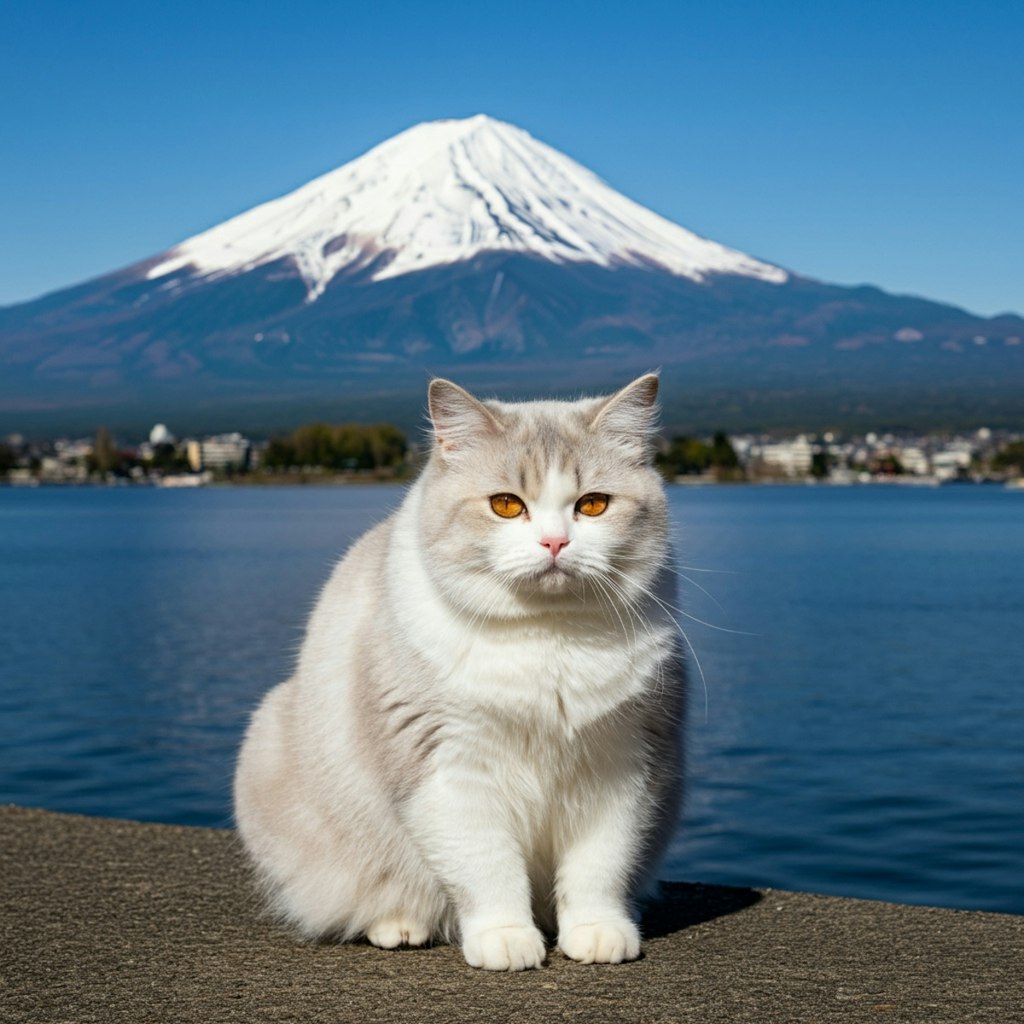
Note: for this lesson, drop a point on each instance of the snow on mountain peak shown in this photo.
(443, 192)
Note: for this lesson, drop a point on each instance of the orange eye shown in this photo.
(592, 504)
(508, 506)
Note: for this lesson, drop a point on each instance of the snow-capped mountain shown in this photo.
(443, 193)
(468, 248)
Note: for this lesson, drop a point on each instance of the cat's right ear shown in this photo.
(459, 419)
(628, 417)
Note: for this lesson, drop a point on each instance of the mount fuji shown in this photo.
(443, 193)
(469, 248)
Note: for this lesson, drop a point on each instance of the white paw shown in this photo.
(604, 942)
(390, 932)
(505, 949)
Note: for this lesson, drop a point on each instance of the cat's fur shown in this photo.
(483, 730)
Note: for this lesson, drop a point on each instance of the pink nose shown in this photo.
(554, 544)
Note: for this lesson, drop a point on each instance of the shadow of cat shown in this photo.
(678, 905)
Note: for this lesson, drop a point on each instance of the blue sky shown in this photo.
(848, 141)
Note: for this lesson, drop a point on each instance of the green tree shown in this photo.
(821, 463)
(724, 460)
(339, 447)
(104, 458)
(689, 456)
(314, 445)
(685, 456)
(1010, 458)
(388, 445)
(168, 458)
(280, 454)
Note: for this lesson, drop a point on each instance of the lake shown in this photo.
(856, 725)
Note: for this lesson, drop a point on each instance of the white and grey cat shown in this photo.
(482, 734)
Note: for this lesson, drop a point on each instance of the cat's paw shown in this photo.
(603, 942)
(505, 949)
(391, 932)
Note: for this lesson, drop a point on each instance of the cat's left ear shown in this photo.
(459, 419)
(629, 416)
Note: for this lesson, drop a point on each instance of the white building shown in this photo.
(951, 462)
(914, 460)
(225, 451)
(160, 435)
(793, 458)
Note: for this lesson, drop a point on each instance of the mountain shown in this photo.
(468, 248)
(443, 193)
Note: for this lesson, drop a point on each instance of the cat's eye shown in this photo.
(592, 504)
(508, 506)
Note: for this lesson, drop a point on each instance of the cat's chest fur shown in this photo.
(541, 676)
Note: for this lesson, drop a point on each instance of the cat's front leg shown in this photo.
(469, 844)
(595, 919)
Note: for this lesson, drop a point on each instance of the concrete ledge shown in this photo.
(113, 921)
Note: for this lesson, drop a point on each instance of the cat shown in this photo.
(482, 737)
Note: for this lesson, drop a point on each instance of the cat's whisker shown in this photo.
(636, 616)
(672, 609)
(694, 568)
(681, 571)
(668, 609)
(705, 592)
(602, 588)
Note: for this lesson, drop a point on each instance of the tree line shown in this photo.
(690, 456)
(343, 447)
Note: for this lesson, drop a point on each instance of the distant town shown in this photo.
(323, 453)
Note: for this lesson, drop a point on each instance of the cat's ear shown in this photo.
(459, 419)
(629, 416)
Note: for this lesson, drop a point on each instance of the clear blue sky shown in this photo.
(849, 141)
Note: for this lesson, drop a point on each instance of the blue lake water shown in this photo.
(859, 731)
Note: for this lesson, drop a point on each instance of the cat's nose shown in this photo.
(554, 544)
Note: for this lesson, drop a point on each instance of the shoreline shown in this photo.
(193, 481)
